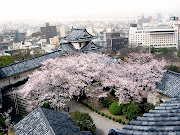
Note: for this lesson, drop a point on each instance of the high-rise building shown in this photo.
(48, 32)
(115, 42)
(155, 36)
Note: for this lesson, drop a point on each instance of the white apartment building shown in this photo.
(155, 37)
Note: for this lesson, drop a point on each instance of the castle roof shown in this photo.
(26, 65)
(164, 120)
(170, 85)
(47, 122)
(69, 48)
(78, 35)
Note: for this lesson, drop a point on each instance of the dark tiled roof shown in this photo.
(170, 84)
(164, 120)
(26, 65)
(91, 46)
(69, 48)
(47, 122)
(78, 34)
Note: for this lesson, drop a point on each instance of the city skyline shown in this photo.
(63, 10)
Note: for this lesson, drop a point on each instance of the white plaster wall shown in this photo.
(77, 44)
(12, 80)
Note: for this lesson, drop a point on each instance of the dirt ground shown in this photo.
(11, 132)
(96, 104)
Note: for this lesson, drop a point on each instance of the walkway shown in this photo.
(103, 125)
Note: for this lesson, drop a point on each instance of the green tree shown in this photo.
(83, 121)
(163, 50)
(21, 54)
(36, 34)
(5, 60)
(46, 105)
(131, 111)
(106, 102)
(37, 52)
(153, 50)
(116, 109)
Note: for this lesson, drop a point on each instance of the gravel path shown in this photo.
(103, 125)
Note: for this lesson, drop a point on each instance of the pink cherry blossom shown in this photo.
(58, 80)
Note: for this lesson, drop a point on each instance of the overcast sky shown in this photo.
(43, 9)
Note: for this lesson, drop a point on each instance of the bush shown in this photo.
(23, 116)
(83, 121)
(116, 109)
(118, 120)
(123, 122)
(147, 107)
(99, 112)
(109, 117)
(106, 103)
(102, 114)
(106, 115)
(131, 111)
(46, 105)
(90, 107)
(113, 118)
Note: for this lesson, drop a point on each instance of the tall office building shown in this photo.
(155, 36)
(48, 32)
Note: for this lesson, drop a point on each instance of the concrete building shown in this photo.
(90, 30)
(43, 42)
(48, 32)
(155, 36)
(115, 42)
(62, 32)
(4, 45)
(54, 41)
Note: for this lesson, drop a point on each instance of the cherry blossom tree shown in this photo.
(6, 115)
(58, 80)
(140, 71)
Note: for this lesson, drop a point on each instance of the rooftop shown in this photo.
(69, 48)
(78, 35)
(164, 120)
(47, 122)
(26, 65)
(170, 85)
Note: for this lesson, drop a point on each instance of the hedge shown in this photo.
(102, 114)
